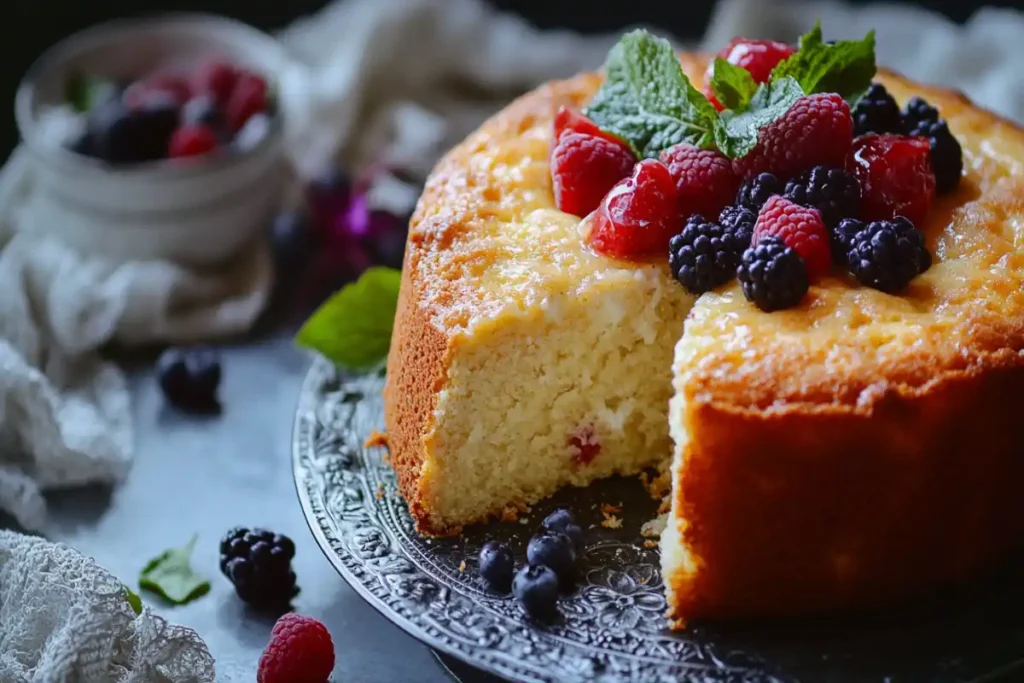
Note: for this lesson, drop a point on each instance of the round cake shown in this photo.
(854, 448)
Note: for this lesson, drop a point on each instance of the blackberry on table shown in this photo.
(946, 153)
(738, 221)
(832, 191)
(877, 112)
(887, 255)
(772, 275)
(703, 256)
(258, 563)
(756, 191)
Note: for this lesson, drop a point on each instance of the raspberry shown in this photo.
(758, 57)
(584, 168)
(300, 651)
(817, 130)
(772, 275)
(248, 98)
(757, 190)
(191, 141)
(639, 215)
(217, 78)
(946, 154)
(877, 112)
(570, 120)
(258, 563)
(887, 255)
(703, 256)
(738, 221)
(801, 229)
(895, 174)
(832, 191)
(705, 182)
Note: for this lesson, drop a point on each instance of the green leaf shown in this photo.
(845, 67)
(85, 92)
(647, 100)
(353, 327)
(733, 85)
(134, 600)
(170, 576)
(736, 132)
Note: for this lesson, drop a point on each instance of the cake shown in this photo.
(853, 449)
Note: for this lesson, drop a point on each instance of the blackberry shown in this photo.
(918, 111)
(887, 255)
(877, 112)
(832, 191)
(756, 191)
(739, 222)
(946, 154)
(773, 276)
(189, 378)
(258, 563)
(841, 236)
(703, 256)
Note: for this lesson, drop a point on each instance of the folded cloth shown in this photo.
(63, 618)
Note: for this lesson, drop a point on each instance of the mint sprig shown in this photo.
(736, 132)
(648, 101)
(170, 576)
(353, 327)
(845, 67)
(733, 85)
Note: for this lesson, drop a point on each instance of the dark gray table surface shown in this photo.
(203, 476)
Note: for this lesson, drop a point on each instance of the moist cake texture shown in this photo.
(857, 447)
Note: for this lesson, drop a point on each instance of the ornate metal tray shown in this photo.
(611, 627)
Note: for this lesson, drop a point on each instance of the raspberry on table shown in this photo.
(300, 651)
(946, 153)
(817, 130)
(758, 57)
(801, 229)
(832, 191)
(877, 112)
(639, 215)
(896, 177)
(258, 563)
(887, 255)
(705, 181)
(703, 256)
(754, 192)
(772, 275)
(738, 221)
(584, 168)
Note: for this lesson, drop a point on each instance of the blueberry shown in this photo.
(156, 119)
(555, 550)
(114, 129)
(563, 521)
(203, 109)
(291, 238)
(536, 589)
(189, 378)
(83, 144)
(496, 566)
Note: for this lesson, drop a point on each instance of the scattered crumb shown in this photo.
(380, 491)
(609, 509)
(659, 486)
(524, 520)
(611, 521)
(509, 513)
(652, 528)
(462, 566)
(649, 543)
(376, 440)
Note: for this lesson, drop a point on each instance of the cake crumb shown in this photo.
(380, 491)
(652, 528)
(462, 566)
(611, 521)
(376, 440)
(609, 509)
(650, 543)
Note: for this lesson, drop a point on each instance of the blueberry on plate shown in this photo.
(556, 551)
(563, 521)
(496, 566)
(189, 378)
(536, 588)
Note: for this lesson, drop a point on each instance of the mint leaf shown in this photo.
(648, 101)
(134, 600)
(353, 327)
(845, 67)
(85, 92)
(170, 576)
(733, 85)
(736, 132)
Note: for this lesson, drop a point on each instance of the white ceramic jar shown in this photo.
(197, 214)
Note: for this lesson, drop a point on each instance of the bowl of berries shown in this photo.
(156, 138)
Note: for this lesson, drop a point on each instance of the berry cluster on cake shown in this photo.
(760, 268)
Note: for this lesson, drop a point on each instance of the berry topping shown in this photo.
(171, 85)
(248, 98)
(215, 77)
(832, 191)
(841, 236)
(300, 651)
(756, 191)
(639, 215)
(584, 168)
(497, 566)
(772, 275)
(113, 129)
(569, 120)
(555, 550)
(192, 141)
(817, 130)
(738, 221)
(536, 589)
(154, 121)
(801, 229)
(758, 57)
(705, 182)
(877, 112)
(895, 174)
(258, 563)
(703, 256)
(887, 255)
(918, 111)
(563, 521)
(946, 153)
(189, 377)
